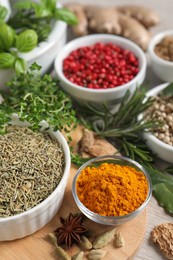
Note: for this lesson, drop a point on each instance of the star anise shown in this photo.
(71, 230)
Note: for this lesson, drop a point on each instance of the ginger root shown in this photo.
(144, 15)
(132, 22)
(91, 145)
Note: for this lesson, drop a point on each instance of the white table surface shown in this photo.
(155, 214)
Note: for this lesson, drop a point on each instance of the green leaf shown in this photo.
(164, 195)
(26, 41)
(3, 12)
(7, 36)
(41, 11)
(158, 176)
(65, 15)
(168, 91)
(20, 65)
(6, 60)
(27, 4)
(50, 4)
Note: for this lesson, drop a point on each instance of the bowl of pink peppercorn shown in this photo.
(100, 68)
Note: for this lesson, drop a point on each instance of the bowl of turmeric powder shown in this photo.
(111, 190)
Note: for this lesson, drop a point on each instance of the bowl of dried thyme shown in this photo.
(111, 190)
(34, 172)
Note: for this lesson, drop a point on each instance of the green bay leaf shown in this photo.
(158, 176)
(164, 194)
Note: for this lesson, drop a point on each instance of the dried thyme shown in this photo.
(31, 166)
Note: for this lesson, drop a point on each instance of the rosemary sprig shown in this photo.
(122, 126)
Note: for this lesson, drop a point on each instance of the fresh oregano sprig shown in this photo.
(35, 98)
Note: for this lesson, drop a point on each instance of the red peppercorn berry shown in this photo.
(100, 66)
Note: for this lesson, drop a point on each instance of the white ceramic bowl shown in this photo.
(30, 221)
(162, 150)
(7, 5)
(111, 220)
(43, 54)
(96, 96)
(162, 68)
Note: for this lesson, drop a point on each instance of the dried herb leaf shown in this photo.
(32, 165)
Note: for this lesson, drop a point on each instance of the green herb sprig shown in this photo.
(123, 126)
(35, 98)
(30, 24)
(39, 17)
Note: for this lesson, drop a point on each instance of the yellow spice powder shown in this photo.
(112, 189)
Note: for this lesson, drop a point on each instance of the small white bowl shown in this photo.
(98, 96)
(43, 54)
(162, 150)
(30, 221)
(162, 68)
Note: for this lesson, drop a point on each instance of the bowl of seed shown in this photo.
(160, 51)
(34, 172)
(160, 141)
(111, 190)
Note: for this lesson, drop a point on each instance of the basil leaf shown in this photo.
(65, 15)
(168, 91)
(26, 41)
(164, 195)
(6, 60)
(7, 36)
(24, 4)
(50, 4)
(41, 11)
(3, 12)
(20, 65)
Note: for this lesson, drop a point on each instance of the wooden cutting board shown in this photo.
(37, 246)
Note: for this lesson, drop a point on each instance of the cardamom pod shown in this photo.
(96, 254)
(85, 243)
(62, 254)
(119, 240)
(104, 239)
(78, 256)
(53, 239)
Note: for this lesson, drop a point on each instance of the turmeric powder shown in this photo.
(112, 189)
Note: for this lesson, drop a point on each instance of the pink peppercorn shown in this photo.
(100, 66)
